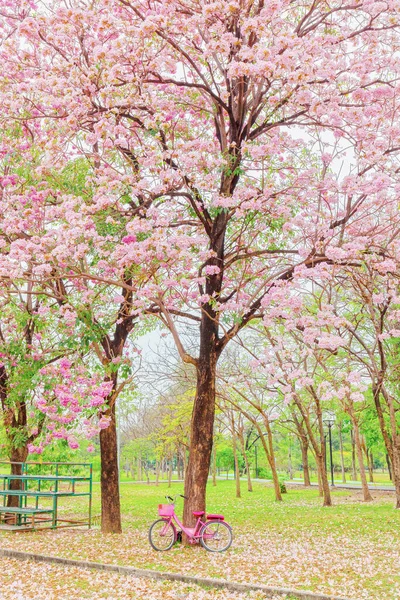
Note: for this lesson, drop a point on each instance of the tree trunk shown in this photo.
(396, 468)
(157, 472)
(304, 459)
(353, 458)
(319, 448)
(357, 441)
(271, 462)
(214, 469)
(246, 461)
(201, 434)
(395, 436)
(17, 456)
(110, 500)
(370, 466)
(290, 465)
(342, 455)
(320, 487)
(389, 466)
(324, 480)
(236, 461)
(178, 465)
(169, 472)
(184, 463)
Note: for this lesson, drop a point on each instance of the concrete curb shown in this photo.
(160, 575)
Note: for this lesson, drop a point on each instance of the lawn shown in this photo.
(351, 549)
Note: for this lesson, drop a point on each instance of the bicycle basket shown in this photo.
(165, 510)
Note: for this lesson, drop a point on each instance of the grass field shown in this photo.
(351, 549)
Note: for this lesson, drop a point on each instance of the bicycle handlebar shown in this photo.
(174, 499)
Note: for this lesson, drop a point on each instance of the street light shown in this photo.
(330, 421)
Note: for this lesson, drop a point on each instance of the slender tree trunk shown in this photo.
(178, 465)
(389, 466)
(271, 462)
(290, 465)
(246, 461)
(157, 472)
(304, 459)
(357, 441)
(319, 448)
(395, 436)
(184, 462)
(170, 472)
(304, 444)
(353, 457)
(214, 469)
(235, 458)
(371, 466)
(110, 500)
(342, 455)
(324, 480)
(396, 469)
(320, 487)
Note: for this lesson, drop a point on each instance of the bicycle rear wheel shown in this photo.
(216, 536)
(162, 535)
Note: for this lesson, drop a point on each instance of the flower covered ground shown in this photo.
(51, 582)
(351, 549)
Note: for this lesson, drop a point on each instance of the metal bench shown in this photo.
(18, 512)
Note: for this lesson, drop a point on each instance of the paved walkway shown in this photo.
(351, 485)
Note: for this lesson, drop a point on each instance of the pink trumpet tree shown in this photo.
(237, 142)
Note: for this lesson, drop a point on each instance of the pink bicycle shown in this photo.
(214, 534)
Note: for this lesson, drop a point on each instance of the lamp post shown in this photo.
(330, 421)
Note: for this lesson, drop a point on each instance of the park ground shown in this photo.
(351, 549)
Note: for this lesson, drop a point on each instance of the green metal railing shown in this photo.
(34, 486)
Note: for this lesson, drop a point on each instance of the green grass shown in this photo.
(301, 509)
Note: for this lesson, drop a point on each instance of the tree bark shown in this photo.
(353, 457)
(214, 469)
(304, 444)
(366, 493)
(17, 456)
(184, 459)
(236, 461)
(201, 435)
(395, 436)
(272, 464)
(290, 465)
(304, 459)
(371, 466)
(318, 447)
(389, 466)
(324, 479)
(342, 454)
(246, 461)
(157, 472)
(110, 499)
(169, 472)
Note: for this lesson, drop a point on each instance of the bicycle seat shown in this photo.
(198, 513)
(219, 517)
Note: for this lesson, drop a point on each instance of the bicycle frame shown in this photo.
(193, 533)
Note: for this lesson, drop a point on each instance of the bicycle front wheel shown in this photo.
(216, 536)
(162, 535)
